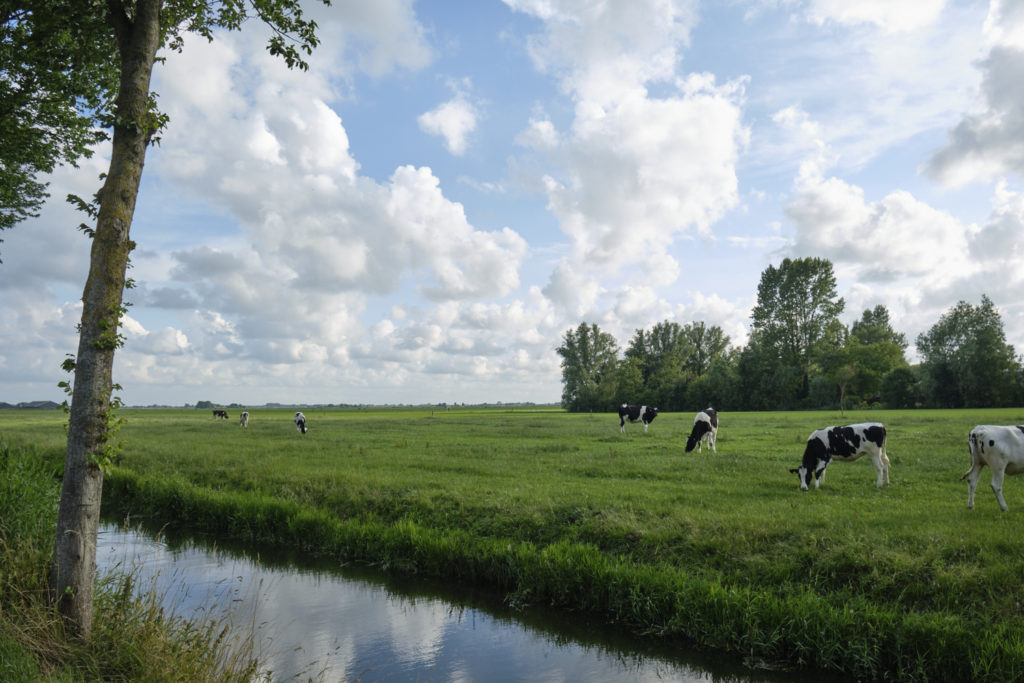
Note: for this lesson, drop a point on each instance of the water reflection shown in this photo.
(321, 622)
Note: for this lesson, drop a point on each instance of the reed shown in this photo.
(563, 510)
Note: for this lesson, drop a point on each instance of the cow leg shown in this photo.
(997, 485)
(876, 460)
(712, 439)
(885, 464)
(972, 483)
(645, 427)
(622, 425)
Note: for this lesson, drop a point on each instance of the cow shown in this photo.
(644, 414)
(300, 422)
(223, 414)
(245, 419)
(705, 428)
(1002, 449)
(843, 443)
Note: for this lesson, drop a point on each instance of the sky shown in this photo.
(451, 186)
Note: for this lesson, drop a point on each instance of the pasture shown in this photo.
(561, 509)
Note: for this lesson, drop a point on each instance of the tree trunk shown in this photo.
(74, 559)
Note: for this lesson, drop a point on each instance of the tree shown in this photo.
(665, 344)
(899, 388)
(49, 79)
(796, 305)
(764, 382)
(119, 37)
(589, 368)
(717, 388)
(707, 343)
(967, 360)
(874, 328)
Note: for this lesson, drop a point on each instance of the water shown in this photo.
(324, 622)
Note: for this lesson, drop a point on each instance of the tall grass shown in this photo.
(132, 638)
(720, 550)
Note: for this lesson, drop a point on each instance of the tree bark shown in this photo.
(74, 560)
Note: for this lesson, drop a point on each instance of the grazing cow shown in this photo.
(223, 414)
(1002, 449)
(645, 414)
(245, 418)
(843, 443)
(300, 422)
(705, 428)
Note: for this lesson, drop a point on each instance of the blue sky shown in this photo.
(451, 186)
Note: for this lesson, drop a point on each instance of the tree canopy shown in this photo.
(56, 73)
(967, 361)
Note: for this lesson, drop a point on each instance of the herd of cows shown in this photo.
(300, 419)
(999, 447)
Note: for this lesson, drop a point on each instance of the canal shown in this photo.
(324, 622)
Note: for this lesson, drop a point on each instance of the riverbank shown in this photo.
(133, 639)
(720, 550)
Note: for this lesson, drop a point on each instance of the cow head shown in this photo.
(805, 475)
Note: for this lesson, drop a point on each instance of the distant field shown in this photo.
(907, 561)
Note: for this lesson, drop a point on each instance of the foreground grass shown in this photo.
(132, 639)
(720, 550)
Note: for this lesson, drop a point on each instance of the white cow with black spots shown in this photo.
(644, 414)
(843, 443)
(705, 428)
(1002, 449)
(300, 422)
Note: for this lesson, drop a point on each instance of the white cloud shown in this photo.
(888, 15)
(989, 142)
(453, 120)
(635, 170)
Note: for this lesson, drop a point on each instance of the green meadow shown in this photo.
(719, 550)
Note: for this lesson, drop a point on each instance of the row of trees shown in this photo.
(799, 355)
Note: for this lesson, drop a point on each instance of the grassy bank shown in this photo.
(132, 640)
(721, 550)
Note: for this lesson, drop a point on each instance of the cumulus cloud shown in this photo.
(635, 170)
(903, 253)
(988, 142)
(453, 120)
(890, 16)
(376, 38)
(315, 239)
(832, 219)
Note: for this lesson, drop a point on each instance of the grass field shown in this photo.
(561, 509)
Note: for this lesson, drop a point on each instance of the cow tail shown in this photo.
(972, 448)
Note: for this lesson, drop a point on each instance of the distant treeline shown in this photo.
(799, 356)
(30, 405)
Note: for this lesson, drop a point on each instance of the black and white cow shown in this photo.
(1002, 449)
(843, 443)
(705, 428)
(300, 422)
(645, 414)
(245, 418)
(223, 414)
